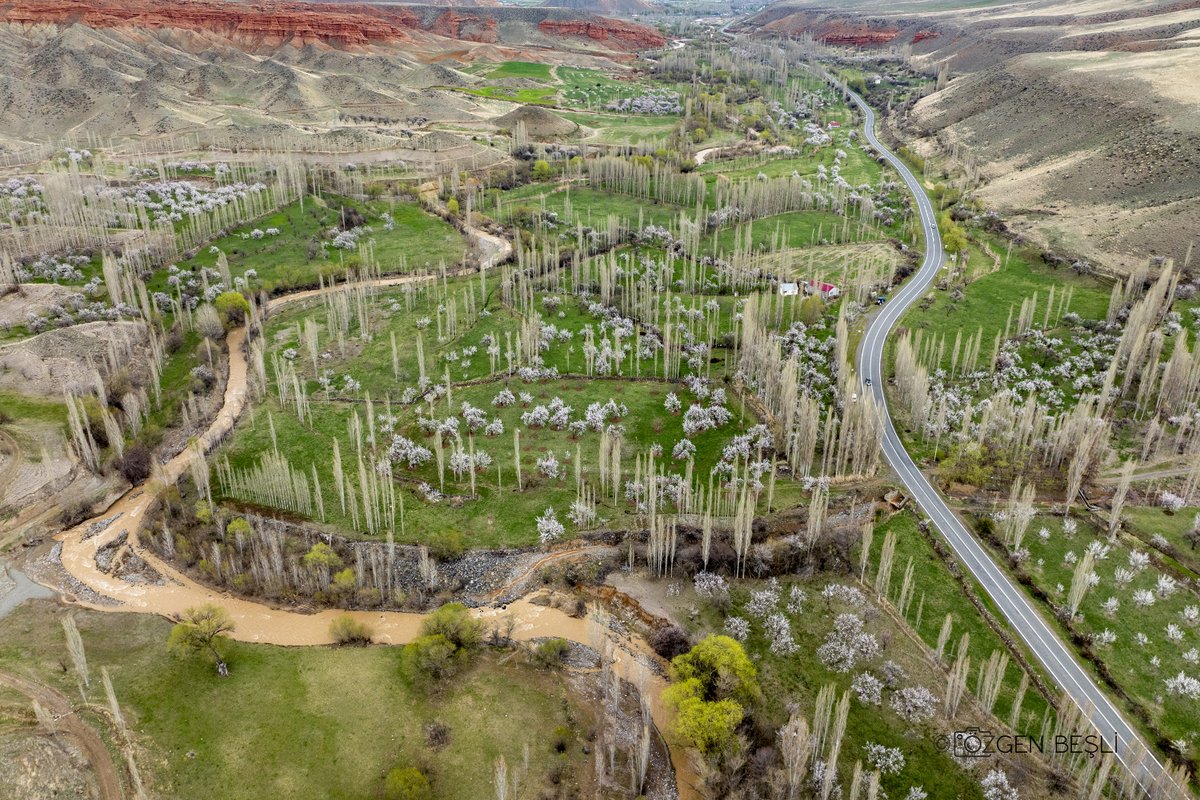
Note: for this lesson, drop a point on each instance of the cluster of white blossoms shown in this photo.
(20, 198)
(549, 528)
(841, 593)
(779, 633)
(737, 627)
(710, 585)
(172, 201)
(867, 688)
(914, 703)
(698, 418)
(848, 644)
(888, 760)
(406, 451)
(56, 268)
(995, 786)
(550, 467)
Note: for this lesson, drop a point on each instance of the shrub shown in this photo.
(346, 630)
(561, 738)
(233, 307)
(135, 465)
(454, 623)
(174, 339)
(74, 511)
(707, 726)
(722, 667)
(322, 555)
(407, 783)
(118, 384)
(437, 734)
(446, 545)
(550, 653)
(429, 657)
(208, 322)
(670, 641)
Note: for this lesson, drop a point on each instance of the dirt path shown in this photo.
(12, 454)
(492, 249)
(546, 560)
(67, 721)
(703, 155)
(1150, 475)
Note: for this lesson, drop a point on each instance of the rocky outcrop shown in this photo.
(832, 28)
(623, 7)
(355, 24)
(617, 34)
(298, 23)
(469, 27)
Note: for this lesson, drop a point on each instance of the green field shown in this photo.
(301, 253)
(590, 88)
(521, 69)
(613, 128)
(1140, 668)
(590, 207)
(793, 229)
(1151, 521)
(309, 723)
(792, 682)
(527, 96)
(938, 594)
(990, 301)
(20, 406)
(857, 168)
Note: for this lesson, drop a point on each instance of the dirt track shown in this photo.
(67, 721)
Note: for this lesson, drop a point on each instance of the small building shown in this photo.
(789, 289)
(835, 124)
(828, 291)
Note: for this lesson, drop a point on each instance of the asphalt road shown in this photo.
(1059, 661)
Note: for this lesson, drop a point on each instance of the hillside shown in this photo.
(1082, 116)
(215, 68)
(615, 7)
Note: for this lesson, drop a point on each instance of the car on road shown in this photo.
(866, 381)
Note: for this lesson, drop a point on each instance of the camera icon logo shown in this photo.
(971, 743)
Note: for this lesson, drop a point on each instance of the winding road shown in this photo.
(1059, 661)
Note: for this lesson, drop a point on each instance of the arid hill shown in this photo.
(342, 24)
(540, 124)
(1084, 117)
(230, 72)
(618, 7)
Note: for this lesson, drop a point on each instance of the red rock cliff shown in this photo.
(614, 33)
(471, 27)
(346, 24)
(300, 22)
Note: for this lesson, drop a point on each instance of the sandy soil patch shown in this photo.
(31, 298)
(67, 358)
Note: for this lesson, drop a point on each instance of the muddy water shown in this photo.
(16, 588)
(257, 622)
